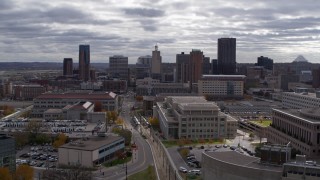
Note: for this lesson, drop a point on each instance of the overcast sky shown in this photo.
(48, 31)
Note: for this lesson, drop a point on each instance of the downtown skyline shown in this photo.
(50, 31)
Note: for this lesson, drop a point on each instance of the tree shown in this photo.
(68, 173)
(33, 127)
(119, 121)
(60, 140)
(184, 152)
(154, 121)
(251, 135)
(97, 106)
(5, 174)
(112, 116)
(20, 138)
(125, 133)
(24, 172)
(139, 98)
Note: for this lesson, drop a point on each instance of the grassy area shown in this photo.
(189, 177)
(117, 161)
(263, 123)
(148, 174)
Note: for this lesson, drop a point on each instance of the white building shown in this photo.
(192, 117)
(300, 99)
(90, 152)
(221, 85)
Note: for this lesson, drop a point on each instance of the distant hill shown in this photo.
(43, 66)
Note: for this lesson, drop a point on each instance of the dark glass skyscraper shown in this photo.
(227, 56)
(182, 68)
(67, 66)
(84, 62)
(266, 62)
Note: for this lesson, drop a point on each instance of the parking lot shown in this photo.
(42, 156)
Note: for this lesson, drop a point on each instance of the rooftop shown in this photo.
(93, 143)
(222, 77)
(53, 111)
(78, 95)
(238, 159)
(303, 114)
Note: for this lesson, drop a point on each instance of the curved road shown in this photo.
(142, 157)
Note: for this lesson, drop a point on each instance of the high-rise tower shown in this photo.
(182, 68)
(67, 66)
(195, 65)
(227, 56)
(156, 63)
(84, 62)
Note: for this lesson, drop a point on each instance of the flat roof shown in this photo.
(232, 157)
(187, 99)
(93, 143)
(304, 115)
(75, 95)
(222, 77)
(58, 111)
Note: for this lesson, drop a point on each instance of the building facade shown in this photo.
(227, 56)
(7, 152)
(84, 62)
(27, 92)
(192, 117)
(195, 65)
(265, 62)
(299, 100)
(67, 67)
(91, 152)
(223, 86)
(299, 127)
(47, 101)
(118, 67)
(206, 66)
(182, 68)
(156, 64)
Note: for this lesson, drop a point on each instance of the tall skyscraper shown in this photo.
(195, 65)
(206, 66)
(118, 67)
(182, 68)
(227, 56)
(67, 66)
(156, 64)
(84, 62)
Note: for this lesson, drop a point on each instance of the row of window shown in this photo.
(110, 147)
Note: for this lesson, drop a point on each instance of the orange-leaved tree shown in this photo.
(60, 140)
(5, 174)
(24, 172)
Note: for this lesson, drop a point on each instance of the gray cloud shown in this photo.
(144, 12)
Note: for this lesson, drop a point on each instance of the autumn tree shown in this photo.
(184, 152)
(119, 121)
(139, 98)
(60, 140)
(112, 116)
(7, 110)
(68, 173)
(153, 121)
(24, 172)
(125, 133)
(5, 174)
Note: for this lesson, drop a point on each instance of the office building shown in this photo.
(299, 127)
(265, 62)
(316, 78)
(156, 64)
(285, 79)
(145, 60)
(143, 67)
(222, 86)
(227, 56)
(27, 92)
(47, 101)
(206, 67)
(214, 69)
(7, 152)
(118, 67)
(67, 67)
(84, 62)
(300, 99)
(192, 117)
(182, 68)
(195, 65)
(91, 151)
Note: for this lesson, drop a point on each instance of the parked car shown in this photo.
(195, 171)
(182, 169)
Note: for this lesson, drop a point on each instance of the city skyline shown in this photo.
(51, 31)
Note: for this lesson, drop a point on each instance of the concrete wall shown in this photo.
(74, 156)
(215, 169)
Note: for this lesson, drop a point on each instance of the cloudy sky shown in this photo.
(34, 30)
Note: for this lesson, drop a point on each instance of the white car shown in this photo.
(195, 171)
(182, 169)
